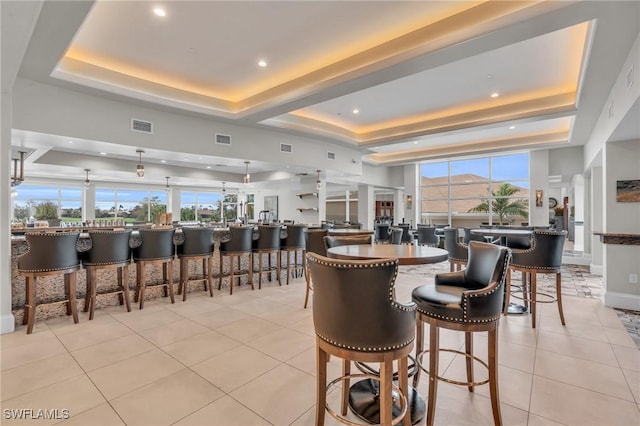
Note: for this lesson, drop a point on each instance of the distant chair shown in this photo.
(458, 253)
(239, 244)
(396, 235)
(197, 245)
(427, 236)
(268, 243)
(314, 240)
(156, 248)
(335, 241)
(294, 242)
(382, 233)
(407, 237)
(468, 236)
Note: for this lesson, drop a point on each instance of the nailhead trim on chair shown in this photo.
(530, 249)
(367, 349)
(47, 234)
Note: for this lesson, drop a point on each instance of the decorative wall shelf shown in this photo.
(307, 209)
(307, 194)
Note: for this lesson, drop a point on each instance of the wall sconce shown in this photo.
(538, 197)
(167, 187)
(318, 181)
(18, 169)
(87, 182)
(409, 202)
(140, 167)
(247, 177)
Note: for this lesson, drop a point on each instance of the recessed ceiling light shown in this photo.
(262, 63)
(159, 12)
(69, 141)
(489, 75)
(495, 95)
(103, 153)
(163, 161)
(356, 111)
(199, 158)
(208, 167)
(512, 127)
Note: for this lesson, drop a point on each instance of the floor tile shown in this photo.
(94, 334)
(226, 411)
(627, 357)
(107, 353)
(219, 317)
(145, 320)
(102, 415)
(248, 329)
(578, 347)
(194, 306)
(283, 344)
(42, 347)
(172, 332)
(633, 380)
(200, 347)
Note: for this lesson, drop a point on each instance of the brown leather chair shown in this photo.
(543, 257)
(468, 301)
(335, 241)
(314, 243)
(239, 244)
(458, 253)
(294, 242)
(375, 328)
(156, 248)
(49, 254)
(109, 250)
(268, 243)
(197, 245)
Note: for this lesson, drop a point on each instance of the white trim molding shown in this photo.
(622, 300)
(7, 324)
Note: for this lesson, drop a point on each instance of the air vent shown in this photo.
(285, 147)
(141, 126)
(331, 155)
(223, 139)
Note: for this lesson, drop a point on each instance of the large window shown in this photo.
(39, 202)
(492, 190)
(200, 206)
(130, 204)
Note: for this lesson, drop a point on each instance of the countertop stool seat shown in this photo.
(49, 254)
(238, 245)
(314, 243)
(469, 301)
(543, 257)
(294, 242)
(356, 319)
(109, 250)
(458, 253)
(268, 243)
(156, 248)
(197, 245)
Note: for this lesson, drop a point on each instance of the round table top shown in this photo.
(496, 232)
(348, 231)
(407, 254)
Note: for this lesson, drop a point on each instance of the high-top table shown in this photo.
(364, 394)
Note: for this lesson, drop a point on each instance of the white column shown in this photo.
(578, 212)
(89, 203)
(346, 206)
(366, 206)
(411, 191)
(7, 321)
(597, 208)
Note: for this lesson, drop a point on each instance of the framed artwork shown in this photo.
(628, 191)
(271, 204)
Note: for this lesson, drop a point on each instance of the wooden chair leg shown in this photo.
(321, 385)
(434, 348)
(288, 265)
(169, 286)
(31, 312)
(220, 276)
(92, 284)
(87, 293)
(307, 277)
(468, 348)
(165, 289)
(141, 283)
(279, 268)
(209, 273)
(205, 261)
(419, 348)
(386, 400)
(124, 272)
(184, 278)
(403, 383)
(259, 271)
(507, 293)
(250, 279)
(72, 295)
(532, 297)
(559, 295)
(346, 383)
(493, 376)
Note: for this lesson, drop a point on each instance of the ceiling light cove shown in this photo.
(495, 94)
(158, 11)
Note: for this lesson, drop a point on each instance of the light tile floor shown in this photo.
(249, 359)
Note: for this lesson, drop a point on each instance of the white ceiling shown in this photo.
(420, 73)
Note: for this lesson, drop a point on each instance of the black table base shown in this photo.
(364, 401)
(515, 309)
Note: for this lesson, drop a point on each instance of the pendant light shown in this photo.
(167, 187)
(140, 167)
(247, 177)
(224, 190)
(318, 181)
(87, 182)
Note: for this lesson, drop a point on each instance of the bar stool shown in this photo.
(267, 243)
(468, 301)
(294, 242)
(109, 250)
(197, 245)
(156, 248)
(396, 235)
(407, 237)
(427, 236)
(314, 243)
(383, 234)
(237, 246)
(49, 254)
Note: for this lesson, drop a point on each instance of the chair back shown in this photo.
(295, 237)
(314, 239)
(486, 264)
(427, 236)
(335, 241)
(407, 237)
(353, 306)
(107, 248)
(522, 242)
(545, 252)
(197, 242)
(269, 237)
(396, 235)
(455, 250)
(157, 244)
(468, 236)
(241, 240)
(382, 232)
(49, 251)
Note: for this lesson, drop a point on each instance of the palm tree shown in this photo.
(502, 205)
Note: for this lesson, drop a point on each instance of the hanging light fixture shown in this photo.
(224, 190)
(87, 182)
(140, 167)
(167, 187)
(318, 181)
(247, 177)
(18, 169)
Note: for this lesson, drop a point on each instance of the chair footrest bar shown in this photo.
(451, 381)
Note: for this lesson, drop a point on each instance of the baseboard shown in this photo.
(7, 323)
(622, 300)
(596, 269)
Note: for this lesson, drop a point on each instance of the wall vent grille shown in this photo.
(223, 139)
(331, 155)
(141, 126)
(285, 147)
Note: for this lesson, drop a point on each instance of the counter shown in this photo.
(623, 239)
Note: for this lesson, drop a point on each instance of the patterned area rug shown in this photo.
(631, 321)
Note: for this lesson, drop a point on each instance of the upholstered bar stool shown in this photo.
(543, 257)
(268, 243)
(197, 245)
(237, 246)
(156, 249)
(468, 301)
(109, 250)
(427, 236)
(458, 253)
(396, 235)
(356, 319)
(314, 243)
(382, 233)
(407, 237)
(49, 254)
(294, 243)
